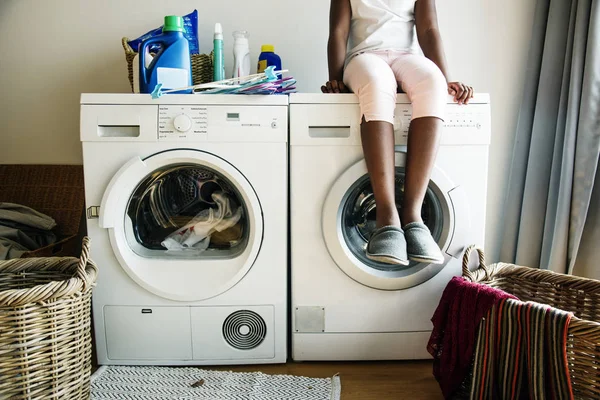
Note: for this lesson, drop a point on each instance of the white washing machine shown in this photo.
(345, 306)
(187, 210)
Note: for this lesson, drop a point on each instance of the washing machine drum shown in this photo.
(359, 216)
(178, 198)
(349, 221)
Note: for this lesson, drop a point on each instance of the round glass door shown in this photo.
(184, 224)
(359, 217)
(349, 220)
(187, 210)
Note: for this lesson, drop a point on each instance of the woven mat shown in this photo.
(141, 383)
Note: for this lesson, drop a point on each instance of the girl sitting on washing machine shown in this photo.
(380, 53)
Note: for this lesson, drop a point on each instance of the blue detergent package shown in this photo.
(190, 32)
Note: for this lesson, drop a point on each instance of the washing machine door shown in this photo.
(349, 219)
(184, 224)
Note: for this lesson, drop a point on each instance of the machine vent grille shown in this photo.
(244, 330)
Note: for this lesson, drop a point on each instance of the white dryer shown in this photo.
(345, 306)
(208, 173)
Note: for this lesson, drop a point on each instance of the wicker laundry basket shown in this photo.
(580, 296)
(45, 335)
(202, 65)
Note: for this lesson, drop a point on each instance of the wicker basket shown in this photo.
(580, 296)
(45, 335)
(202, 65)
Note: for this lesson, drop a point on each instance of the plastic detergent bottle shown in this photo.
(267, 58)
(241, 54)
(136, 70)
(171, 67)
(219, 61)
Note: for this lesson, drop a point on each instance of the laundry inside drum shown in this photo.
(188, 209)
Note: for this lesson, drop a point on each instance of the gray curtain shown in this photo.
(551, 218)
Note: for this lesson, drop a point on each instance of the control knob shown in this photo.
(182, 123)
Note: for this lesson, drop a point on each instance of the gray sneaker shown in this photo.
(420, 245)
(387, 245)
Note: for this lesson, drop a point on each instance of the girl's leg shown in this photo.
(378, 146)
(423, 141)
(426, 87)
(373, 81)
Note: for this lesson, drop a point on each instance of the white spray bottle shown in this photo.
(241, 54)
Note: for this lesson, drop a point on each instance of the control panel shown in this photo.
(456, 118)
(461, 120)
(402, 119)
(221, 123)
(182, 121)
(336, 124)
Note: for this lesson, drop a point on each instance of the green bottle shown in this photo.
(218, 58)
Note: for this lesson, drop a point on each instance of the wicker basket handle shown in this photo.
(126, 46)
(466, 258)
(83, 261)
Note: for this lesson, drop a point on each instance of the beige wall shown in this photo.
(51, 51)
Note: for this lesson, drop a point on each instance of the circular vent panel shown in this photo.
(244, 330)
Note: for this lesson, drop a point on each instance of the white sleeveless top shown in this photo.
(382, 25)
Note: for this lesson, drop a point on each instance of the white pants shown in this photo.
(374, 78)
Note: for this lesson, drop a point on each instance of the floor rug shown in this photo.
(153, 383)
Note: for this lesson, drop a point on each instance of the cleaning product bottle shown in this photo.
(136, 70)
(219, 61)
(241, 54)
(267, 58)
(171, 67)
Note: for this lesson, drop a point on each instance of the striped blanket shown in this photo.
(521, 353)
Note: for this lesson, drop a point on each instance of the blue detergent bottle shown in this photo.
(267, 58)
(171, 67)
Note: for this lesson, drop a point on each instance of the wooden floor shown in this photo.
(364, 380)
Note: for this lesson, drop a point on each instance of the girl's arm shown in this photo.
(340, 14)
(430, 41)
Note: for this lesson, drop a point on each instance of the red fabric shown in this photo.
(455, 324)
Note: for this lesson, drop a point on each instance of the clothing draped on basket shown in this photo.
(487, 344)
(521, 353)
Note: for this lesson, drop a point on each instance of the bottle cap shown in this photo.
(173, 23)
(218, 31)
(240, 34)
(267, 48)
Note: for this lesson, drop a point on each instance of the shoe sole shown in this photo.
(426, 260)
(387, 259)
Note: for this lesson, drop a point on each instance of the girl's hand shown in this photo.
(334, 87)
(461, 92)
